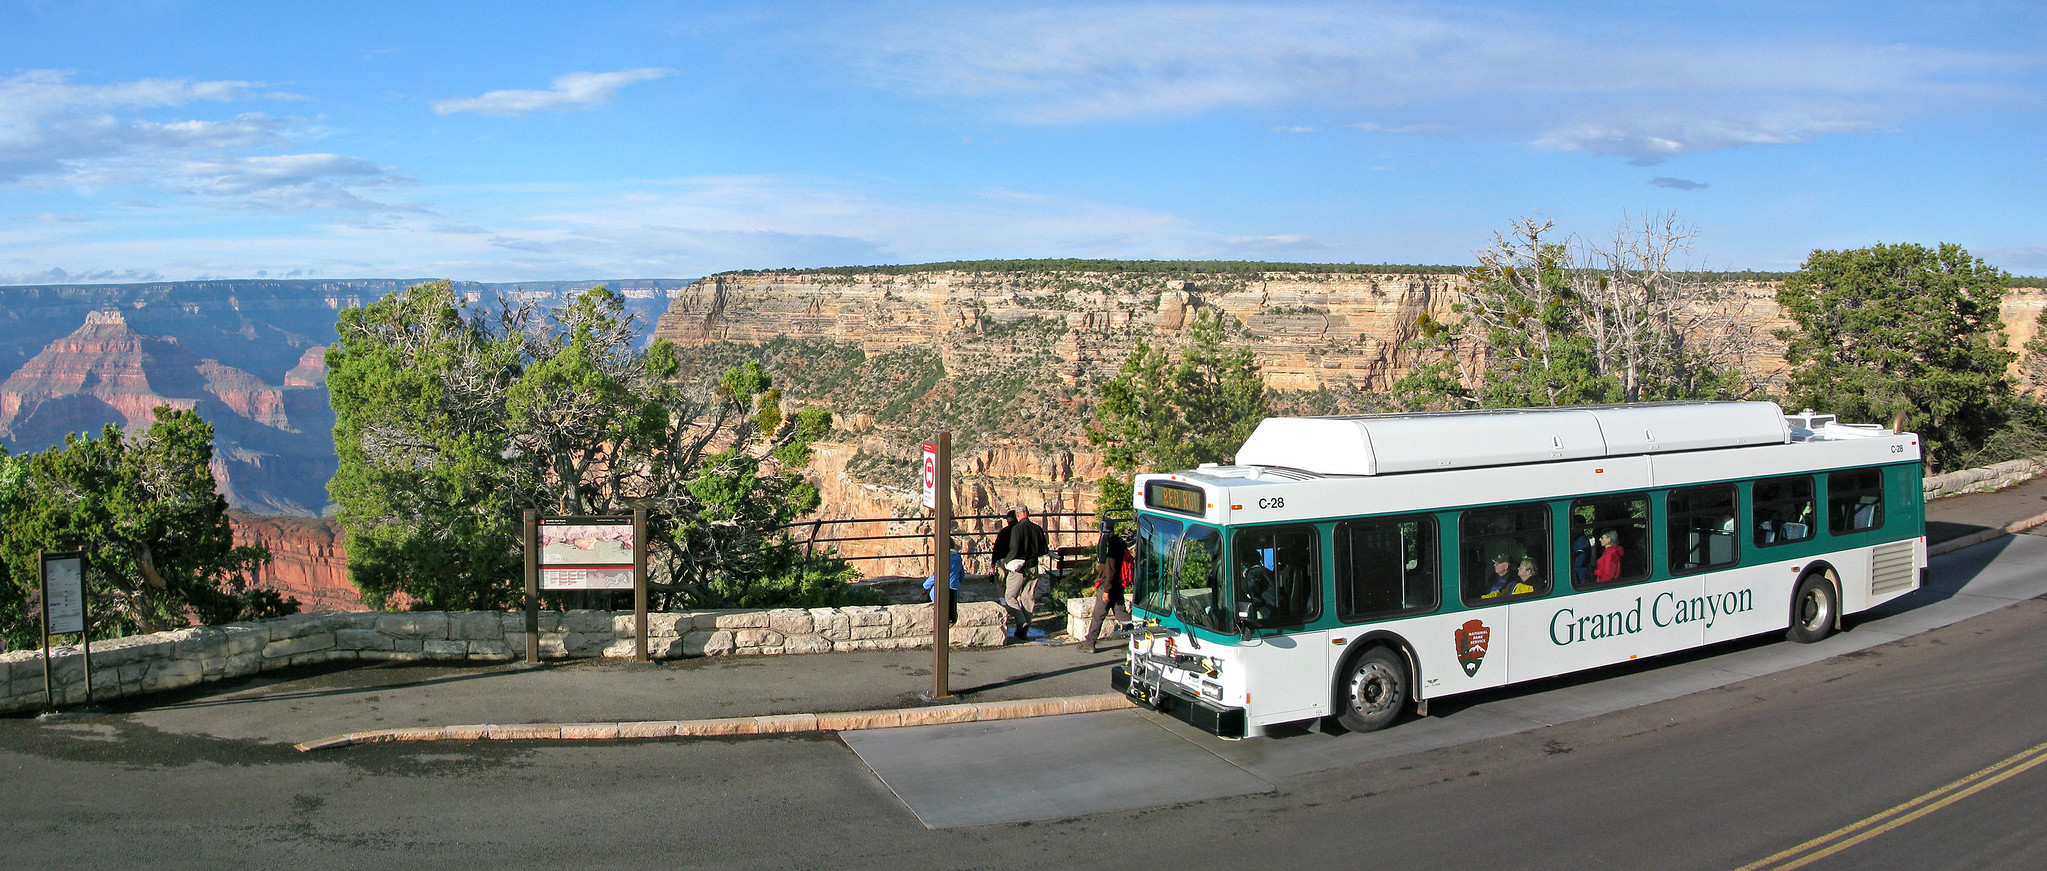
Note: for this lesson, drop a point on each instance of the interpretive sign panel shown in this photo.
(930, 475)
(586, 553)
(64, 578)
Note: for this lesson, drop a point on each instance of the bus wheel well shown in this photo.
(1389, 642)
(1804, 628)
(1826, 569)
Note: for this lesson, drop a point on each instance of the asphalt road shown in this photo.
(1717, 779)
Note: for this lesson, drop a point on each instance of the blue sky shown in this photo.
(505, 141)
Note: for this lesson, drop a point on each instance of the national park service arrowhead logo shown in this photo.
(1472, 640)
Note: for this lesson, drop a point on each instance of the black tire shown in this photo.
(1814, 607)
(1372, 693)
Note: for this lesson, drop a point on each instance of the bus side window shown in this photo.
(1279, 567)
(1609, 539)
(1506, 553)
(1855, 501)
(1783, 510)
(1385, 568)
(1701, 528)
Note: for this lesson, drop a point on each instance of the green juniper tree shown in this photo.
(1907, 331)
(1161, 413)
(159, 551)
(451, 420)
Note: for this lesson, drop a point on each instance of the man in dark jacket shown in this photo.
(1018, 547)
(1110, 555)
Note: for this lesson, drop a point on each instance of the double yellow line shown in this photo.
(1870, 827)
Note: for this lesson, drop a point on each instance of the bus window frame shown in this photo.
(1430, 560)
(1833, 495)
(1756, 506)
(1315, 577)
(1467, 593)
(1674, 544)
(1646, 534)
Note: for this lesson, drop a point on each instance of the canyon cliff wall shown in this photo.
(1008, 362)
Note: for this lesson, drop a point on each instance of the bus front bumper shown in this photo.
(1179, 702)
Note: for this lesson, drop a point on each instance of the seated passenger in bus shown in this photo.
(1504, 581)
(1530, 576)
(1608, 567)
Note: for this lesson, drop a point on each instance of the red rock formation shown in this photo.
(307, 560)
(273, 448)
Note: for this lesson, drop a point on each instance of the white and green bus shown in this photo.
(1348, 567)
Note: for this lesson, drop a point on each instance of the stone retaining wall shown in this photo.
(1983, 479)
(141, 664)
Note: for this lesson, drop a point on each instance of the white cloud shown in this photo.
(55, 132)
(571, 93)
(1637, 94)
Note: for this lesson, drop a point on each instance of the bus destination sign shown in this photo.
(1178, 498)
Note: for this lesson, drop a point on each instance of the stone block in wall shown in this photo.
(983, 614)
(363, 639)
(297, 626)
(492, 651)
(339, 620)
(242, 665)
(868, 615)
(290, 647)
(907, 620)
(121, 651)
(869, 633)
(832, 624)
(806, 644)
(664, 624)
(754, 639)
(476, 626)
(736, 620)
(553, 645)
(586, 622)
(665, 648)
(446, 649)
(240, 638)
(791, 621)
(23, 664)
(171, 674)
(414, 624)
(708, 642)
(587, 643)
(978, 636)
(194, 643)
(392, 656)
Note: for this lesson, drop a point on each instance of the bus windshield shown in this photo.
(1180, 572)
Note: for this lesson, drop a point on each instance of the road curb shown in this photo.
(1976, 538)
(770, 724)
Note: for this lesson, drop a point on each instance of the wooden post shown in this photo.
(532, 602)
(640, 584)
(941, 571)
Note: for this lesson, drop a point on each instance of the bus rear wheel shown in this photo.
(1374, 691)
(1813, 609)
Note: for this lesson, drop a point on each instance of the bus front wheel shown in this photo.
(1374, 691)
(1813, 609)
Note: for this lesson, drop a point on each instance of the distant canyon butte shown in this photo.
(1004, 359)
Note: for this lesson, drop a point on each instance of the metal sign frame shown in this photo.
(67, 570)
(555, 556)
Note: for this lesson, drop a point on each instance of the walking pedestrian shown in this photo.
(1018, 548)
(1111, 554)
